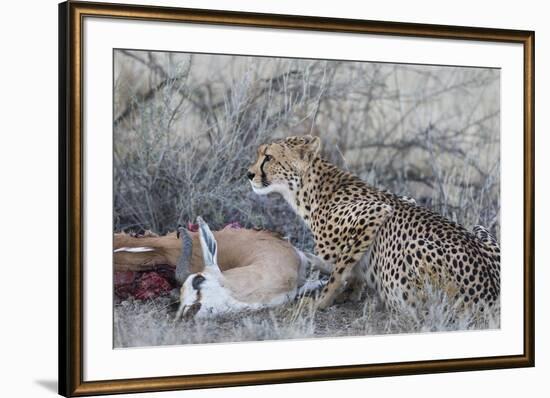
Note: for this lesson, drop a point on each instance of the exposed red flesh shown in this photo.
(144, 285)
(154, 283)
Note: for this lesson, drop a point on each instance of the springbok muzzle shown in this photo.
(187, 312)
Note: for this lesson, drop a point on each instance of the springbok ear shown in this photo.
(310, 147)
(208, 244)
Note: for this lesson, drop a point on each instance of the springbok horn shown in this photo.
(183, 266)
(208, 244)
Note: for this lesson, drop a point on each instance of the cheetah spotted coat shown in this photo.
(375, 237)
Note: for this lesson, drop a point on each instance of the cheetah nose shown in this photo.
(250, 175)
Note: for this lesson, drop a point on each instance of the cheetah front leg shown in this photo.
(343, 269)
(361, 234)
(358, 277)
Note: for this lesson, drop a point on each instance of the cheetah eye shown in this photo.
(268, 158)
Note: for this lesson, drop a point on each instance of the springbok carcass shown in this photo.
(279, 268)
(267, 281)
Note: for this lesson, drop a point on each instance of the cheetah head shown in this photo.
(280, 165)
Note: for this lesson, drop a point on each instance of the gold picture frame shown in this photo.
(71, 16)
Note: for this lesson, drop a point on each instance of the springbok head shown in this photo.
(204, 293)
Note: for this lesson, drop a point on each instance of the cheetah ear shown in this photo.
(310, 148)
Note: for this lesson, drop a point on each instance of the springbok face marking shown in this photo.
(204, 295)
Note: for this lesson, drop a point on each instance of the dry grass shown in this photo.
(187, 127)
(152, 323)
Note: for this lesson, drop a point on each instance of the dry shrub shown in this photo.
(187, 127)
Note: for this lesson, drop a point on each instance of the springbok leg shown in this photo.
(311, 286)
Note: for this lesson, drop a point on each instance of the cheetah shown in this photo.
(373, 237)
